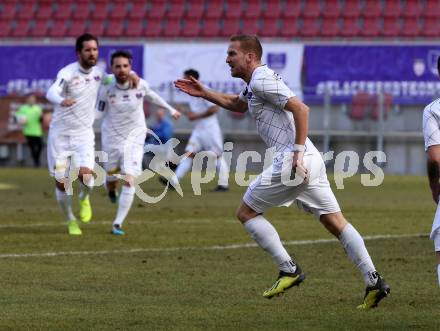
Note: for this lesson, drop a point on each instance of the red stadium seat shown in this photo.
(413, 8)
(211, 28)
(250, 26)
(176, 10)
(273, 9)
(77, 28)
(292, 10)
(26, 11)
(5, 28)
(371, 27)
(115, 28)
(360, 106)
(172, 28)
(431, 27)
(387, 105)
(332, 9)
(8, 11)
(119, 11)
(372, 9)
(58, 29)
(289, 28)
(82, 11)
(312, 9)
(63, 11)
(21, 28)
(154, 27)
(191, 28)
(330, 28)
(254, 8)
(214, 9)
(432, 9)
(234, 9)
(196, 9)
(44, 11)
(392, 9)
(135, 28)
(350, 27)
(411, 27)
(391, 27)
(231, 26)
(270, 27)
(39, 29)
(157, 9)
(310, 28)
(138, 10)
(100, 12)
(352, 9)
(97, 28)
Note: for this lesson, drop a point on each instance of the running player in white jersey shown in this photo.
(431, 134)
(206, 136)
(71, 138)
(282, 122)
(123, 131)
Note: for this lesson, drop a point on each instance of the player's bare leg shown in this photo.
(125, 201)
(351, 240)
(65, 202)
(86, 184)
(111, 185)
(267, 238)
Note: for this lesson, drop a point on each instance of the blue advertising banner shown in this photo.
(408, 73)
(25, 69)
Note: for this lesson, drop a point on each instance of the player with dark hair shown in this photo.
(282, 122)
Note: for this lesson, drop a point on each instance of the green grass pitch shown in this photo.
(166, 275)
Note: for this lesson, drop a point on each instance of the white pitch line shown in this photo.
(203, 248)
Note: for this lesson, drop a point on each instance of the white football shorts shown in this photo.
(124, 158)
(66, 150)
(316, 196)
(206, 139)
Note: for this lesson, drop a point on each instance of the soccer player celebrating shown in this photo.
(431, 134)
(206, 136)
(71, 137)
(123, 131)
(282, 122)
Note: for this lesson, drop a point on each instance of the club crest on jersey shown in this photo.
(125, 98)
(76, 80)
(138, 95)
(97, 78)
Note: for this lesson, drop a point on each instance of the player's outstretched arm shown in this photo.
(155, 98)
(194, 88)
(433, 166)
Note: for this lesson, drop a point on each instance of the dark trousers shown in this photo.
(35, 145)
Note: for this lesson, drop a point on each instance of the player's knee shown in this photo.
(129, 181)
(244, 215)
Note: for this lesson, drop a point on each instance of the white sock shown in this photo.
(85, 188)
(223, 173)
(438, 273)
(354, 245)
(181, 170)
(268, 239)
(125, 200)
(65, 201)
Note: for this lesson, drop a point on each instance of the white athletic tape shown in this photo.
(203, 248)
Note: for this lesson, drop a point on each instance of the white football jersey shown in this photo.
(198, 106)
(431, 124)
(266, 96)
(123, 109)
(82, 86)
